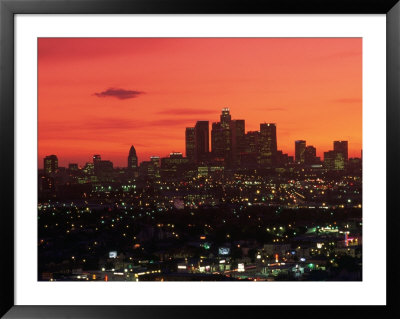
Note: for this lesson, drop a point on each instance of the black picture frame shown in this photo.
(8, 8)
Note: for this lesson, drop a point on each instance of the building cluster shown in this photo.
(232, 149)
(238, 209)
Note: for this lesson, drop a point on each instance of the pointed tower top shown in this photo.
(132, 151)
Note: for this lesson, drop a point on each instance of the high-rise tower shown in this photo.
(238, 140)
(268, 144)
(299, 151)
(225, 118)
(201, 135)
(132, 158)
(223, 138)
(190, 143)
(217, 141)
(310, 155)
(342, 147)
(50, 164)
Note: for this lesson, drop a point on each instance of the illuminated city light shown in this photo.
(173, 197)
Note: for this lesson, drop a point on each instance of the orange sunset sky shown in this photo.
(100, 96)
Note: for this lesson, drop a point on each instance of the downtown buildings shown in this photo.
(239, 203)
(225, 149)
(337, 159)
(50, 164)
(231, 146)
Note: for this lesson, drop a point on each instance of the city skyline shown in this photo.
(109, 94)
(240, 210)
(214, 148)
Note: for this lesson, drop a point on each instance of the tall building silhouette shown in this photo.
(225, 118)
(299, 151)
(238, 140)
(154, 168)
(268, 145)
(96, 158)
(217, 141)
(334, 161)
(190, 143)
(105, 166)
(96, 163)
(101, 167)
(221, 137)
(341, 147)
(155, 160)
(252, 150)
(132, 158)
(252, 140)
(201, 134)
(50, 164)
(310, 155)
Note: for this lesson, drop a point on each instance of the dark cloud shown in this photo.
(121, 94)
(187, 111)
(348, 100)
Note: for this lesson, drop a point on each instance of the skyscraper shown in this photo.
(104, 170)
(310, 155)
(217, 141)
(252, 150)
(190, 143)
(105, 166)
(282, 159)
(201, 134)
(155, 160)
(154, 168)
(96, 162)
(334, 161)
(132, 158)
(225, 118)
(238, 140)
(50, 164)
(341, 147)
(299, 150)
(252, 140)
(221, 138)
(268, 145)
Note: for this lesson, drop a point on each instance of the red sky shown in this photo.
(99, 96)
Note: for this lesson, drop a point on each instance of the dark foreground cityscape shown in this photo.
(240, 210)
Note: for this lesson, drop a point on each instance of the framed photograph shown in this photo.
(166, 158)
